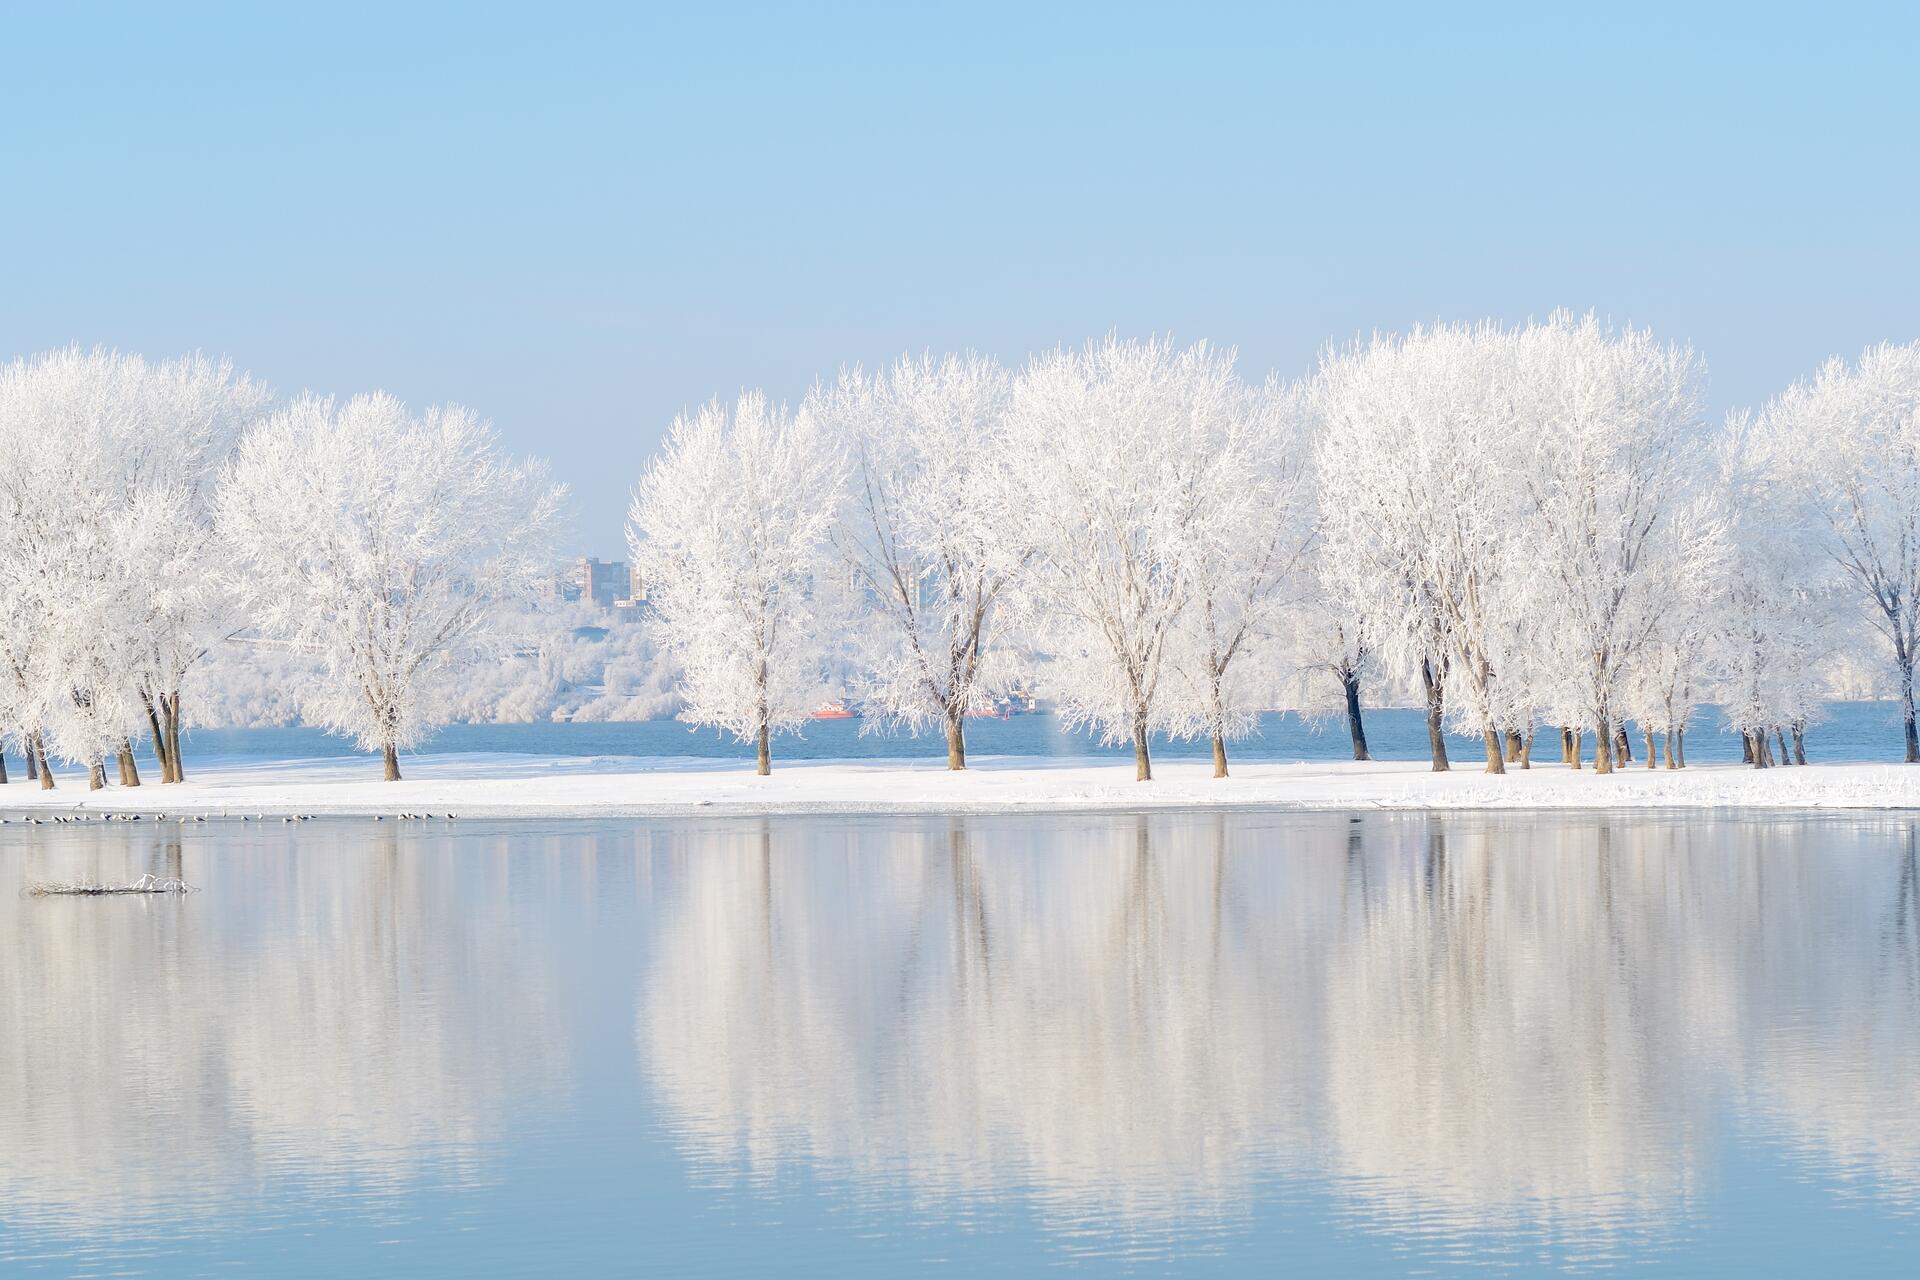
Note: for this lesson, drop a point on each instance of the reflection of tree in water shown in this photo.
(1501, 1033)
(337, 1007)
(1460, 1025)
(999, 1002)
(1834, 1055)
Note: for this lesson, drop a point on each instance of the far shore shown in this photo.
(475, 785)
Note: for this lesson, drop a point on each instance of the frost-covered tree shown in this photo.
(1847, 444)
(730, 529)
(1112, 450)
(28, 512)
(381, 543)
(1330, 661)
(1779, 597)
(1245, 555)
(90, 711)
(1614, 451)
(1417, 438)
(196, 410)
(928, 534)
(59, 414)
(1672, 671)
(104, 559)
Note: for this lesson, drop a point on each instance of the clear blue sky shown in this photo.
(581, 219)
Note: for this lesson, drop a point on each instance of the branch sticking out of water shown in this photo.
(148, 883)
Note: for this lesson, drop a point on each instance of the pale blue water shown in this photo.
(1193, 1044)
(1850, 731)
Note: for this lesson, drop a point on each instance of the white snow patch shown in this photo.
(495, 785)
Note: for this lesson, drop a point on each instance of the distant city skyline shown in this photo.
(582, 220)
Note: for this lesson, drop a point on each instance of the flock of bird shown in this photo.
(161, 817)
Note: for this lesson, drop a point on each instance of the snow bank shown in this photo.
(490, 785)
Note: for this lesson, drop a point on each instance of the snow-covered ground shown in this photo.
(501, 785)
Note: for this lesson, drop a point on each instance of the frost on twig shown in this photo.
(148, 883)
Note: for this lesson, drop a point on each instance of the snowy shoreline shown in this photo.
(491, 785)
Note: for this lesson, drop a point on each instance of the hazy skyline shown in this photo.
(581, 222)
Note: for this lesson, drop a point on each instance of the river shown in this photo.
(1211, 1044)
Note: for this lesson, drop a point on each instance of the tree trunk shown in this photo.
(1526, 749)
(1576, 742)
(1602, 746)
(1781, 733)
(97, 776)
(1757, 748)
(40, 752)
(176, 762)
(1496, 756)
(1680, 744)
(1906, 711)
(1436, 736)
(390, 762)
(1219, 756)
(26, 749)
(1799, 748)
(159, 739)
(1622, 745)
(1356, 729)
(763, 751)
(3, 766)
(1566, 745)
(956, 740)
(129, 771)
(1142, 761)
(1673, 757)
(1746, 748)
(1653, 750)
(1513, 746)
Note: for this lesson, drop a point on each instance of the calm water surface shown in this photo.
(1845, 731)
(1181, 1044)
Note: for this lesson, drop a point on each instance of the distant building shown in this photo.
(611, 584)
(633, 606)
(602, 581)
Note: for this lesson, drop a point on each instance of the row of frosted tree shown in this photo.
(1533, 527)
(1525, 528)
(152, 511)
